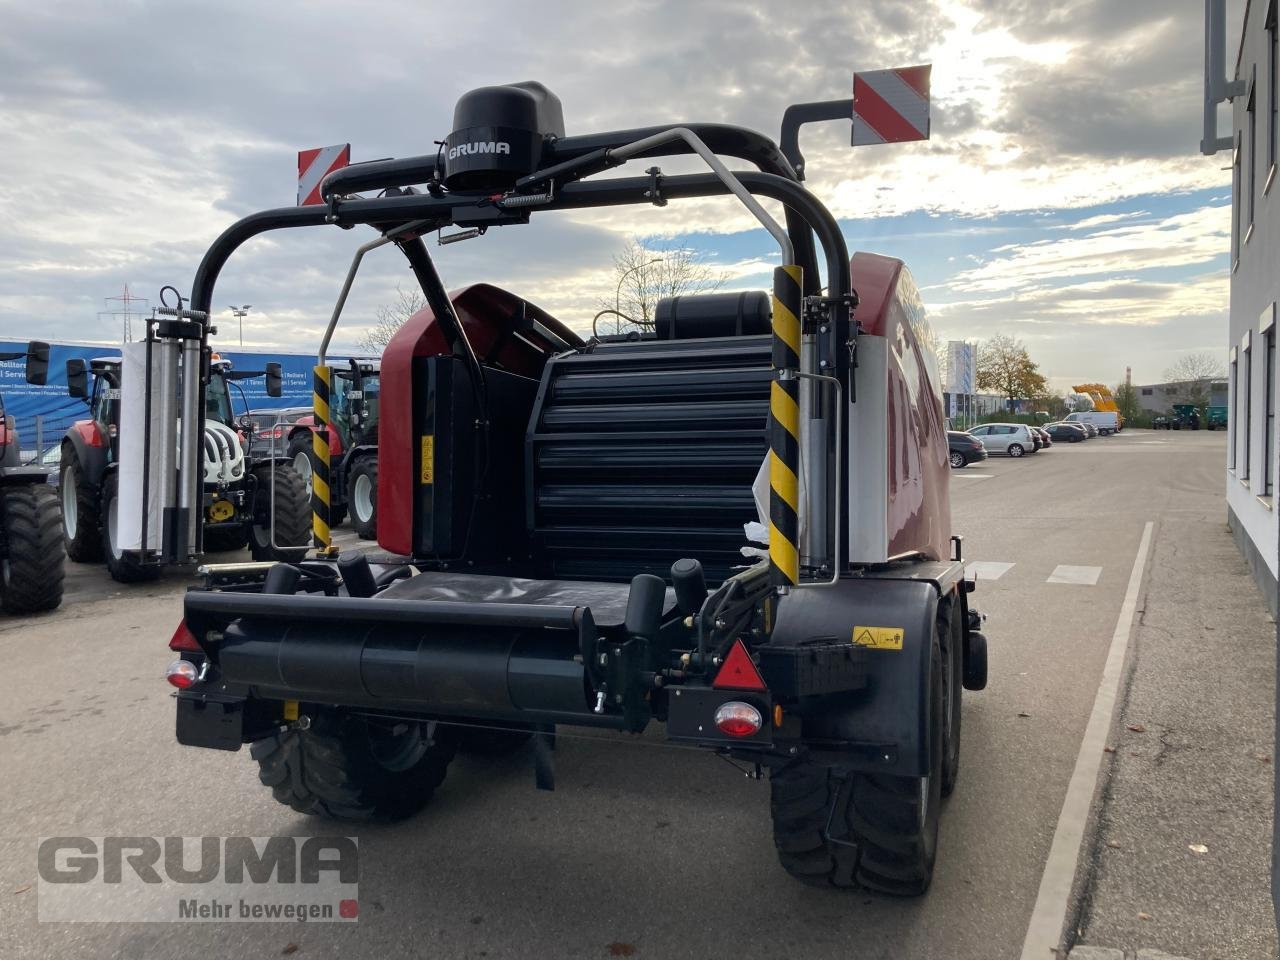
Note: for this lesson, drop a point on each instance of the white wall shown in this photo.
(1255, 287)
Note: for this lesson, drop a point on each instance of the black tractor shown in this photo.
(261, 504)
(30, 525)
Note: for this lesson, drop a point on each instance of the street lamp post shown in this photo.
(617, 294)
(239, 313)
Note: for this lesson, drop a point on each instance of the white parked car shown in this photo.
(1006, 439)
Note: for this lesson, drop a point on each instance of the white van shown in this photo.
(1107, 421)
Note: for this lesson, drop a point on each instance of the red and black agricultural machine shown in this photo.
(352, 430)
(114, 469)
(569, 516)
(30, 526)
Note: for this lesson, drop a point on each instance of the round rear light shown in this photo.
(738, 719)
(182, 674)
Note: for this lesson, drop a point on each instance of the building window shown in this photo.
(1246, 405)
(1236, 226)
(1147, 391)
(1233, 406)
(1269, 380)
(1273, 87)
(1251, 158)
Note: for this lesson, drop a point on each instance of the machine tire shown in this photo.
(123, 569)
(300, 446)
(292, 515)
(891, 844)
(364, 521)
(1016, 450)
(82, 521)
(223, 537)
(31, 572)
(957, 459)
(334, 770)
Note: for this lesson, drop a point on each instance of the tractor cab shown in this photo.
(353, 404)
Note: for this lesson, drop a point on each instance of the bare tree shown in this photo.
(646, 274)
(1005, 367)
(1193, 375)
(389, 318)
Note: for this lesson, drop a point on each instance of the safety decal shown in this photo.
(428, 474)
(878, 638)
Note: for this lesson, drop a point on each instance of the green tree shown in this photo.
(1127, 402)
(1005, 367)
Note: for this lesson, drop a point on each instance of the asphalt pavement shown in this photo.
(647, 850)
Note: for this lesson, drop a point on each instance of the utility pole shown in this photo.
(240, 313)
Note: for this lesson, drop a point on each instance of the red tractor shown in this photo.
(30, 524)
(353, 447)
(736, 526)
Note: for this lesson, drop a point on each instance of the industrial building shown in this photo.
(1254, 145)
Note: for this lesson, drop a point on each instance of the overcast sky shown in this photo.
(1061, 199)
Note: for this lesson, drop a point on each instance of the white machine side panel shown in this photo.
(868, 420)
(135, 466)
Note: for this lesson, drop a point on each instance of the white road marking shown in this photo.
(972, 476)
(987, 569)
(1049, 916)
(1063, 573)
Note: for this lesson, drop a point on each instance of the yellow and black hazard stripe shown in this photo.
(784, 428)
(320, 493)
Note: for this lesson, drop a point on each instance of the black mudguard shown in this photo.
(891, 625)
(93, 460)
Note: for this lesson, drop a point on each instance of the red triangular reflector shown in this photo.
(738, 672)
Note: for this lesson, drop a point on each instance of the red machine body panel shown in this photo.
(501, 329)
(916, 516)
(90, 433)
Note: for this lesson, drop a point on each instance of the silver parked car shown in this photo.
(1011, 439)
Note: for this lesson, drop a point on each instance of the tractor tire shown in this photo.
(362, 497)
(300, 457)
(291, 523)
(349, 768)
(31, 569)
(224, 537)
(891, 822)
(302, 460)
(81, 511)
(123, 568)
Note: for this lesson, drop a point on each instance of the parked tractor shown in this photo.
(736, 525)
(30, 526)
(260, 503)
(353, 447)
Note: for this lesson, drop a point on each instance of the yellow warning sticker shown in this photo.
(878, 638)
(428, 474)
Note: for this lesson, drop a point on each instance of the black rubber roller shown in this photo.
(281, 579)
(644, 605)
(357, 575)
(691, 585)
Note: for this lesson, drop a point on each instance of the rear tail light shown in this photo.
(184, 640)
(182, 674)
(737, 719)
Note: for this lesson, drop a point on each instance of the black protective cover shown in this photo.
(892, 707)
(498, 133)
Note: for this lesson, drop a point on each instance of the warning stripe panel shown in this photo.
(314, 166)
(891, 106)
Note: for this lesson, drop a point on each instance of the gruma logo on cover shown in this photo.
(198, 879)
(480, 146)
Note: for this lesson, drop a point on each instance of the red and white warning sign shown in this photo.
(314, 165)
(891, 106)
